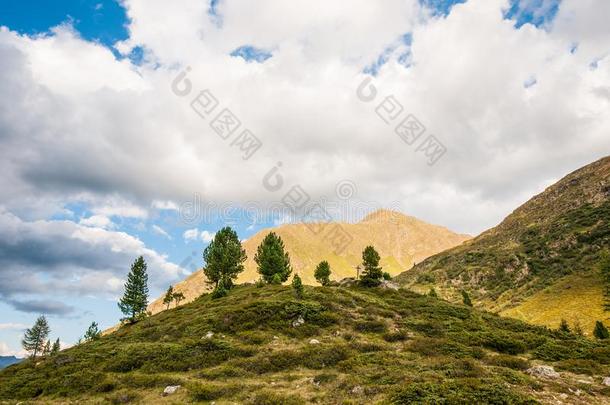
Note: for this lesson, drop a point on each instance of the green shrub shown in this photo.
(208, 391)
(371, 326)
(274, 398)
(503, 360)
(580, 366)
(395, 336)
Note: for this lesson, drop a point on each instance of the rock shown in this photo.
(389, 285)
(170, 389)
(563, 396)
(208, 335)
(357, 390)
(543, 371)
(314, 342)
(606, 381)
(298, 322)
(348, 282)
(275, 338)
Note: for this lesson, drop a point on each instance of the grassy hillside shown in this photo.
(400, 240)
(374, 346)
(555, 238)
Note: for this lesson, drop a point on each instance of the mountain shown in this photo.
(6, 361)
(540, 263)
(400, 240)
(336, 345)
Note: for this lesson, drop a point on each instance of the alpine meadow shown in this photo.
(305, 202)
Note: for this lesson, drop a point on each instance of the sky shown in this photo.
(141, 127)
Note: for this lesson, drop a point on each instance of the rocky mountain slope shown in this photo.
(539, 264)
(336, 345)
(400, 240)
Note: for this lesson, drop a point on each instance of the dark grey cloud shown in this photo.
(45, 307)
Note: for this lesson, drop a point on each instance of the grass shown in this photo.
(375, 346)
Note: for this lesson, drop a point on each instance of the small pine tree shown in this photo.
(169, 296)
(178, 296)
(322, 273)
(432, 293)
(564, 327)
(56, 347)
(600, 331)
(47, 348)
(466, 298)
(371, 276)
(134, 301)
(34, 338)
(92, 333)
(272, 260)
(387, 276)
(297, 286)
(604, 269)
(224, 258)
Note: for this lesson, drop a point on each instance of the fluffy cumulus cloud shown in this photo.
(42, 260)
(517, 105)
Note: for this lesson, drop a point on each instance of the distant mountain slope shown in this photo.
(6, 361)
(400, 240)
(553, 240)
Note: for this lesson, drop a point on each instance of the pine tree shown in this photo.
(297, 286)
(134, 301)
(432, 293)
(220, 290)
(600, 331)
(56, 347)
(564, 327)
(92, 332)
(34, 338)
(604, 269)
(169, 296)
(387, 276)
(371, 276)
(224, 258)
(466, 298)
(47, 348)
(322, 273)
(273, 261)
(178, 296)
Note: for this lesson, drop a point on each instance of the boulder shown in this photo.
(208, 335)
(314, 342)
(543, 371)
(170, 389)
(389, 285)
(606, 381)
(298, 322)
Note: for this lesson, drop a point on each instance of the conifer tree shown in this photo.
(47, 348)
(297, 286)
(134, 301)
(56, 347)
(92, 332)
(600, 331)
(220, 290)
(34, 338)
(169, 296)
(371, 276)
(466, 298)
(272, 260)
(322, 273)
(564, 327)
(178, 296)
(224, 258)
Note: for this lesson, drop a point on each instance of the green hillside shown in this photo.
(372, 345)
(556, 237)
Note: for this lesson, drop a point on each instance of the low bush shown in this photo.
(503, 360)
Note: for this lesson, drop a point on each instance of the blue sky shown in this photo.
(136, 155)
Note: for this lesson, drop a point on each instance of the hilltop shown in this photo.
(540, 263)
(401, 241)
(337, 345)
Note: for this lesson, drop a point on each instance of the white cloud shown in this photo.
(12, 326)
(191, 234)
(160, 231)
(130, 139)
(98, 221)
(5, 350)
(207, 237)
